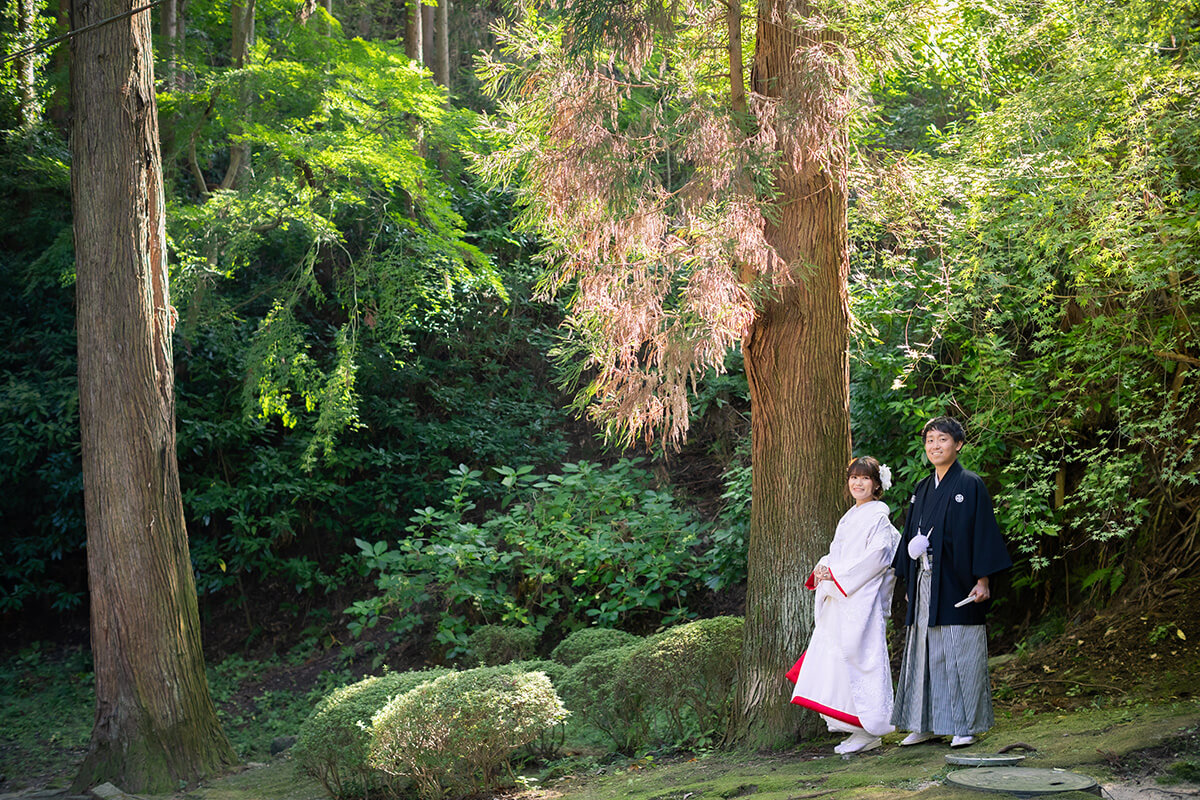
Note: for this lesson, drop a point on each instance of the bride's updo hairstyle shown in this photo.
(868, 466)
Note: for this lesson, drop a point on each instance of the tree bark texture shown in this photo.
(155, 722)
(169, 21)
(441, 65)
(413, 36)
(797, 365)
(26, 66)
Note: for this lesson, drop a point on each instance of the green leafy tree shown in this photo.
(1031, 271)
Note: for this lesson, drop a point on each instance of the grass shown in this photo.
(47, 713)
(48, 709)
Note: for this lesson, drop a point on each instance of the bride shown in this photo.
(845, 675)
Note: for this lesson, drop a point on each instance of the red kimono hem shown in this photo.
(793, 675)
(842, 716)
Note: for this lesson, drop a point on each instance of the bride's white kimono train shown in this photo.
(845, 675)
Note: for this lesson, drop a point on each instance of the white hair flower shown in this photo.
(885, 477)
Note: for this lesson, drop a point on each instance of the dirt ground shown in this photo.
(1145, 647)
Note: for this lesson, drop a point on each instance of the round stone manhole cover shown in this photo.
(1023, 781)
(984, 759)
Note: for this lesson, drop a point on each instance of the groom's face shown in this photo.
(940, 448)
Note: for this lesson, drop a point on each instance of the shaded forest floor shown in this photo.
(1112, 696)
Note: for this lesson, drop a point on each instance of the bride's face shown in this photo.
(862, 488)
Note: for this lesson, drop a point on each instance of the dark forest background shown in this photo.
(372, 412)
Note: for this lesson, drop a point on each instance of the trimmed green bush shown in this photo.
(500, 644)
(691, 668)
(554, 670)
(676, 685)
(550, 743)
(453, 735)
(333, 743)
(582, 643)
(603, 692)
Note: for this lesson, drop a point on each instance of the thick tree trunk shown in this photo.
(798, 368)
(155, 722)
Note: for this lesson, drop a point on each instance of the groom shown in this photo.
(950, 548)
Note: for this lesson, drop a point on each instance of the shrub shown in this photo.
(451, 736)
(595, 545)
(548, 745)
(554, 670)
(333, 743)
(499, 644)
(600, 689)
(583, 643)
(691, 668)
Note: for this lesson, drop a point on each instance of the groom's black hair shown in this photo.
(946, 425)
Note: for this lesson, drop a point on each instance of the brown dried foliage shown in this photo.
(654, 198)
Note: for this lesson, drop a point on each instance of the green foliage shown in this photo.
(1031, 272)
(603, 693)
(41, 551)
(333, 743)
(676, 686)
(548, 746)
(23, 94)
(688, 674)
(254, 511)
(580, 644)
(47, 713)
(493, 645)
(344, 340)
(553, 669)
(1187, 769)
(341, 219)
(453, 735)
(591, 544)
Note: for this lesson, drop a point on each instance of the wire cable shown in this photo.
(72, 34)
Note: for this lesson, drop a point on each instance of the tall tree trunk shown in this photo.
(169, 23)
(242, 15)
(155, 721)
(413, 36)
(428, 54)
(797, 364)
(26, 66)
(441, 64)
(737, 78)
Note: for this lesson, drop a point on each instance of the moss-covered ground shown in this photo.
(1142, 749)
(1112, 697)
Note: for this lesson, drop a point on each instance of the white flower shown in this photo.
(885, 477)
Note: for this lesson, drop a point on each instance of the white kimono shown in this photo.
(845, 675)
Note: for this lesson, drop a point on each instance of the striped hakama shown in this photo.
(943, 686)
